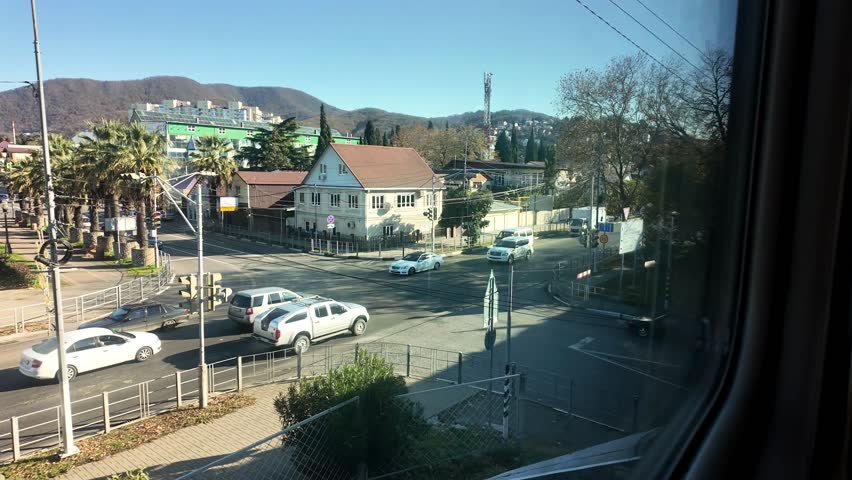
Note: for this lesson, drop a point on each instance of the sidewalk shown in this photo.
(79, 276)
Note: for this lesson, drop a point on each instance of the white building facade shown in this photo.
(370, 191)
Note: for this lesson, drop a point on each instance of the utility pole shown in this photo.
(154, 232)
(67, 429)
(434, 208)
(202, 366)
(509, 316)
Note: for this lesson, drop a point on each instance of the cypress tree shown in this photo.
(503, 148)
(325, 134)
(369, 131)
(514, 146)
(430, 126)
(530, 154)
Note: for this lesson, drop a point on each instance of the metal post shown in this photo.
(68, 447)
(6, 224)
(178, 395)
(635, 413)
(506, 403)
(621, 275)
(202, 366)
(105, 401)
(299, 364)
(239, 374)
(509, 317)
(459, 379)
(154, 232)
(141, 289)
(16, 440)
(357, 348)
(408, 360)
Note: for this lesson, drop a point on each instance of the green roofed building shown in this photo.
(181, 129)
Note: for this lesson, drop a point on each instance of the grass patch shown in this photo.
(17, 271)
(49, 465)
(140, 271)
(31, 327)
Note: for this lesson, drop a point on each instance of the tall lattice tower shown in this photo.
(487, 113)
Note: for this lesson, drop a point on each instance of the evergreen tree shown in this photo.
(447, 125)
(542, 151)
(530, 154)
(369, 132)
(503, 148)
(430, 126)
(385, 141)
(377, 136)
(325, 134)
(275, 149)
(514, 146)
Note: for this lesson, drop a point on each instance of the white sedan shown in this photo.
(88, 349)
(416, 262)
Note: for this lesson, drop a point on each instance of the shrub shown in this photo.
(371, 432)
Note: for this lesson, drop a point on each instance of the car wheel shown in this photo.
(511, 259)
(71, 372)
(359, 327)
(437, 266)
(412, 271)
(169, 324)
(302, 343)
(144, 353)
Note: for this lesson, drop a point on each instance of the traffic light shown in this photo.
(431, 213)
(594, 240)
(214, 288)
(155, 220)
(189, 291)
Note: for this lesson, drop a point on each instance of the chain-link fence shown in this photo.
(305, 450)
(441, 425)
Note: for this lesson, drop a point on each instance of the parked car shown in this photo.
(155, 241)
(304, 321)
(144, 316)
(88, 349)
(416, 262)
(509, 249)
(247, 304)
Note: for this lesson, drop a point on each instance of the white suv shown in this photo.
(299, 323)
(510, 249)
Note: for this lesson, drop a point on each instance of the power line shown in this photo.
(655, 36)
(631, 41)
(673, 29)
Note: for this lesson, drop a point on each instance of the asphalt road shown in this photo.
(440, 309)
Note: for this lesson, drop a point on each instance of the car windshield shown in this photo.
(242, 301)
(124, 334)
(577, 221)
(505, 244)
(46, 346)
(412, 257)
(119, 313)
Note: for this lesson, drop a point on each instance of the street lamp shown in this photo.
(6, 224)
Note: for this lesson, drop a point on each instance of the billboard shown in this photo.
(227, 204)
(631, 235)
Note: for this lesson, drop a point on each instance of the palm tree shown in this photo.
(27, 178)
(103, 158)
(214, 154)
(143, 153)
(70, 187)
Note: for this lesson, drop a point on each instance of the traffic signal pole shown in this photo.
(202, 366)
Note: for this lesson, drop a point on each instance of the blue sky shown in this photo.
(421, 58)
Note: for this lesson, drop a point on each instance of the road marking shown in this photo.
(206, 258)
(640, 372)
(624, 357)
(582, 343)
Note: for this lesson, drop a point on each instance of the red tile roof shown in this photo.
(286, 177)
(385, 167)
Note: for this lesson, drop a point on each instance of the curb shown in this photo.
(607, 313)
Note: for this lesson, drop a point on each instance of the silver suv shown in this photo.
(509, 249)
(302, 322)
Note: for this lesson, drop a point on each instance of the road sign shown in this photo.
(584, 273)
(606, 227)
(491, 303)
(650, 263)
(631, 233)
(330, 225)
(227, 204)
(626, 213)
(330, 220)
(603, 238)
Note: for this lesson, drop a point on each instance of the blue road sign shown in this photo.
(606, 227)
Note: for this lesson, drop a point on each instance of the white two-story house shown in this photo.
(370, 191)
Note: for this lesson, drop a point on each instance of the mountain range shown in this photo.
(74, 101)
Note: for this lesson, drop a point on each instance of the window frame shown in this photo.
(405, 200)
(334, 199)
(376, 205)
